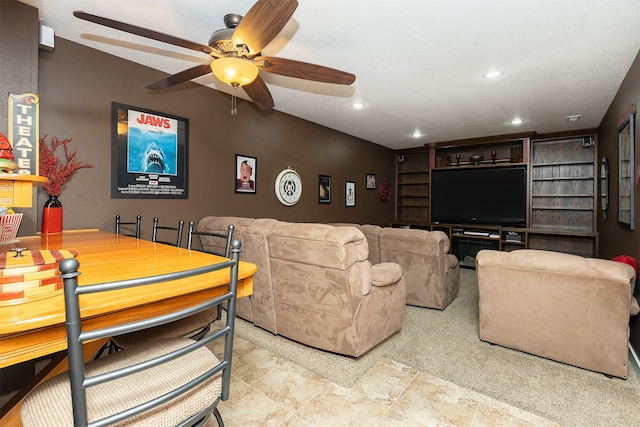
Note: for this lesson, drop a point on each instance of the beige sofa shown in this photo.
(563, 307)
(315, 285)
(431, 273)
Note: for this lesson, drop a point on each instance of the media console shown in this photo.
(467, 240)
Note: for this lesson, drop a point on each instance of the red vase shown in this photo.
(52, 216)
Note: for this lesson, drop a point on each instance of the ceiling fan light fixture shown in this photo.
(233, 70)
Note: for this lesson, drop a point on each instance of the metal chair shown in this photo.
(128, 226)
(228, 237)
(177, 230)
(162, 382)
(195, 327)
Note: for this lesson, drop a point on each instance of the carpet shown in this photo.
(445, 344)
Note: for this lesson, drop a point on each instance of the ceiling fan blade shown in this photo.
(262, 23)
(304, 70)
(143, 32)
(181, 77)
(259, 93)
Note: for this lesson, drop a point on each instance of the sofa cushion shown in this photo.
(414, 241)
(372, 234)
(219, 224)
(318, 244)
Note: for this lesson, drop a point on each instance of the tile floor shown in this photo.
(267, 390)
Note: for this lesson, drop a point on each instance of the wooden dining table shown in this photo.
(33, 329)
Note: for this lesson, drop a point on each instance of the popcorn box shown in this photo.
(9, 225)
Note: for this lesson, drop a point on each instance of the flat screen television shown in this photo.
(490, 196)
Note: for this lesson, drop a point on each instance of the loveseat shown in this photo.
(431, 273)
(314, 283)
(560, 306)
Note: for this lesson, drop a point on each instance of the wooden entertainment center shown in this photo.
(561, 186)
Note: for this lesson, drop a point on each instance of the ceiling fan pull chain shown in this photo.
(234, 110)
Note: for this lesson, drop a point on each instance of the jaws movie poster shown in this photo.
(150, 154)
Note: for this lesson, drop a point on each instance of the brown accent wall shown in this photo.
(18, 69)
(616, 239)
(77, 86)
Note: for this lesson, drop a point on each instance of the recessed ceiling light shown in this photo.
(417, 134)
(493, 74)
(573, 118)
(517, 121)
(358, 105)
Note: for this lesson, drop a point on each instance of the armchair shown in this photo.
(431, 273)
(560, 306)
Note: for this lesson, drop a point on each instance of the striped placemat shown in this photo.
(32, 276)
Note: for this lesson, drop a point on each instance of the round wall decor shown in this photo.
(288, 186)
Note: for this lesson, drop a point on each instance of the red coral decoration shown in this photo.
(58, 172)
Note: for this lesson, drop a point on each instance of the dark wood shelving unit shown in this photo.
(562, 187)
(412, 190)
(507, 153)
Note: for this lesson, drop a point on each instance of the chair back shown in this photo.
(226, 238)
(128, 227)
(76, 336)
(168, 229)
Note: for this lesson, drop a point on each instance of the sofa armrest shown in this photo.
(385, 273)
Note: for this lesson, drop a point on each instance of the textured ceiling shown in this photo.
(419, 65)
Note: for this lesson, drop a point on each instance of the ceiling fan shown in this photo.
(235, 52)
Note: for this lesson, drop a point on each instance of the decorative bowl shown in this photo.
(476, 159)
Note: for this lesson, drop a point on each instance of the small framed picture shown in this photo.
(246, 168)
(370, 181)
(350, 194)
(324, 189)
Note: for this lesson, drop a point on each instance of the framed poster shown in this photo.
(246, 169)
(350, 194)
(370, 180)
(324, 189)
(149, 152)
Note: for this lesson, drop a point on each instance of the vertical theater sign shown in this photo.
(24, 119)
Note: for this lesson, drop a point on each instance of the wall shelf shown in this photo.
(16, 190)
(562, 178)
(505, 153)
